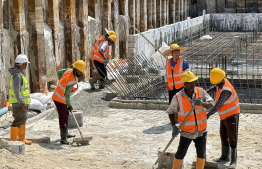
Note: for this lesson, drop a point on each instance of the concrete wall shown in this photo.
(167, 34)
(55, 33)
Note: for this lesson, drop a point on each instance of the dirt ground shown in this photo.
(127, 139)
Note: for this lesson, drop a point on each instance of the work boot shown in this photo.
(200, 164)
(13, 133)
(63, 134)
(225, 154)
(67, 134)
(21, 135)
(177, 163)
(101, 84)
(93, 80)
(233, 162)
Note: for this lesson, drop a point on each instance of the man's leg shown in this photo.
(200, 144)
(63, 120)
(225, 149)
(181, 152)
(232, 133)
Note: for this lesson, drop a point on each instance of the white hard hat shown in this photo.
(21, 59)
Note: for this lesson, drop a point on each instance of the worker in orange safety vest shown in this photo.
(227, 106)
(100, 59)
(194, 128)
(174, 68)
(61, 97)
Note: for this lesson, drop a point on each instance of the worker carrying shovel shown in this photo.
(227, 106)
(100, 59)
(19, 98)
(61, 96)
(174, 68)
(196, 100)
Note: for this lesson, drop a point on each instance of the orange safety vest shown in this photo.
(97, 56)
(100, 40)
(231, 106)
(174, 78)
(185, 107)
(67, 79)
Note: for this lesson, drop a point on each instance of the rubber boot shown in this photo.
(177, 163)
(225, 154)
(63, 134)
(93, 80)
(21, 135)
(233, 162)
(67, 134)
(101, 84)
(13, 133)
(200, 164)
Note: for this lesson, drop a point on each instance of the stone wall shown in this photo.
(55, 33)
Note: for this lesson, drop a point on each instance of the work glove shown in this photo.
(175, 131)
(105, 62)
(198, 102)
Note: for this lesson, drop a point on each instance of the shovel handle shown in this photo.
(77, 124)
(171, 140)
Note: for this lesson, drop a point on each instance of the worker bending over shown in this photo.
(227, 106)
(61, 96)
(100, 59)
(195, 127)
(19, 98)
(174, 68)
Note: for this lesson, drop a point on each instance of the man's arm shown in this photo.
(172, 111)
(67, 95)
(211, 89)
(185, 65)
(222, 99)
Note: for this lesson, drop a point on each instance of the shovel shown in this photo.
(82, 140)
(180, 126)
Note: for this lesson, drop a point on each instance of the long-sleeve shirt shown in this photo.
(222, 98)
(185, 67)
(174, 108)
(68, 88)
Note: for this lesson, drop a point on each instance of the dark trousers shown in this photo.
(229, 131)
(20, 116)
(171, 93)
(200, 144)
(100, 68)
(62, 113)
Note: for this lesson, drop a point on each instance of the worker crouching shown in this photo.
(194, 129)
(61, 96)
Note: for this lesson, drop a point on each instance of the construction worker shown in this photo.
(99, 41)
(19, 98)
(100, 59)
(174, 68)
(194, 128)
(227, 106)
(61, 96)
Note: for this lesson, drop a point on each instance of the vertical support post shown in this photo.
(163, 12)
(172, 7)
(53, 21)
(149, 14)
(159, 13)
(83, 25)
(154, 14)
(116, 29)
(138, 14)
(144, 14)
(132, 16)
(70, 28)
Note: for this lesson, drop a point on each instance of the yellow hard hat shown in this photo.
(111, 32)
(80, 65)
(188, 76)
(217, 75)
(112, 37)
